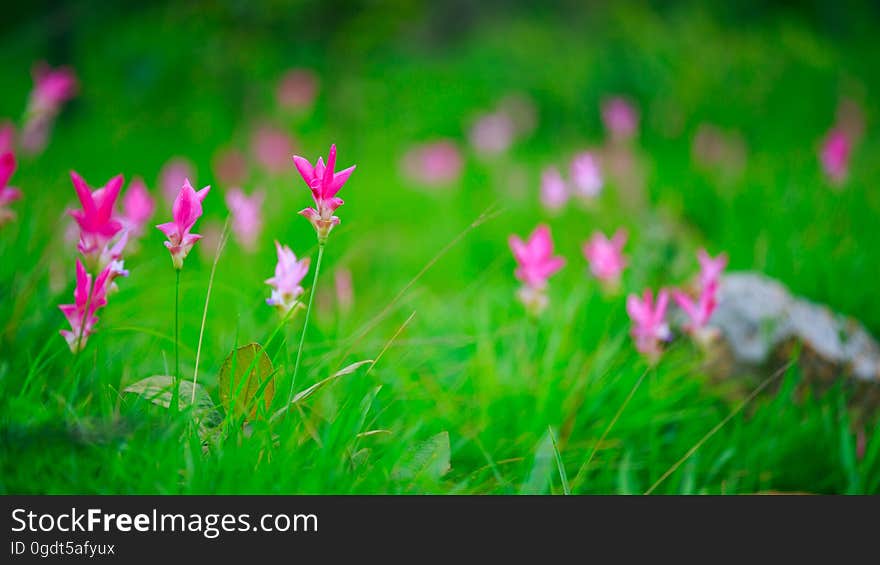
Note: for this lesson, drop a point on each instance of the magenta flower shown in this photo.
(586, 175)
(87, 300)
(710, 268)
(606, 256)
(835, 155)
(554, 192)
(649, 322)
(620, 117)
(272, 148)
(52, 87)
(8, 194)
(535, 265)
(286, 284)
(297, 89)
(172, 176)
(247, 216)
(97, 222)
(186, 210)
(138, 207)
(700, 312)
(492, 134)
(434, 164)
(324, 184)
(7, 137)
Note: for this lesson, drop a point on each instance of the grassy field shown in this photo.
(468, 394)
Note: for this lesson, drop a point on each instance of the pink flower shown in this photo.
(297, 89)
(535, 265)
(835, 155)
(186, 210)
(554, 192)
(96, 220)
(700, 312)
(272, 148)
(247, 216)
(492, 134)
(324, 184)
(138, 207)
(7, 137)
(435, 163)
(52, 88)
(286, 284)
(172, 176)
(620, 117)
(586, 175)
(344, 289)
(606, 256)
(8, 194)
(649, 321)
(710, 268)
(87, 300)
(230, 166)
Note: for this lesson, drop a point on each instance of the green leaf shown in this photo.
(302, 395)
(246, 377)
(158, 388)
(428, 459)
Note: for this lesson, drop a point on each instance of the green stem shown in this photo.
(302, 338)
(175, 392)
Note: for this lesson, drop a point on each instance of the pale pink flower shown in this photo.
(620, 117)
(554, 192)
(649, 327)
(8, 194)
(699, 312)
(7, 137)
(247, 216)
(97, 222)
(710, 268)
(172, 176)
(230, 166)
(435, 163)
(835, 155)
(324, 184)
(272, 147)
(52, 87)
(186, 210)
(138, 207)
(493, 133)
(88, 299)
(606, 256)
(297, 89)
(287, 282)
(344, 289)
(535, 265)
(586, 176)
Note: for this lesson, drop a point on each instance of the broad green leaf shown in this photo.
(246, 377)
(428, 459)
(158, 388)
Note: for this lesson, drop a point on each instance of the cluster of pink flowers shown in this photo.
(52, 88)
(535, 265)
(586, 182)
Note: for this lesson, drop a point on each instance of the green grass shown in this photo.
(527, 405)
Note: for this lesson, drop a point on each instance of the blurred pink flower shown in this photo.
(8, 194)
(247, 216)
(344, 289)
(835, 154)
(186, 210)
(620, 117)
(711, 268)
(434, 163)
(52, 88)
(272, 148)
(554, 192)
(586, 176)
(7, 137)
(287, 282)
(493, 133)
(230, 166)
(700, 312)
(138, 207)
(297, 89)
(87, 300)
(172, 176)
(606, 256)
(649, 326)
(324, 184)
(97, 222)
(534, 258)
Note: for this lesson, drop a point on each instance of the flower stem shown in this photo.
(302, 338)
(175, 392)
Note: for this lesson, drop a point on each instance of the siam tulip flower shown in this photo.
(554, 192)
(649, 322)
(492, 134)
(7, 137)
(97, 223)
(172, 176)
(710, 268)
(324, 183)
(606, 256)
(700, 312)
(620, 117)
(297, 89)
(434, 164)
(8, 194)
(286, 284)
(272, 147)
(186, 210)
(138, 207)
(586, 175)
(52, 88)
(344, 289)
(230, 166)
(247, 216)
(87, 300)
(535, 265)
(835, 154)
